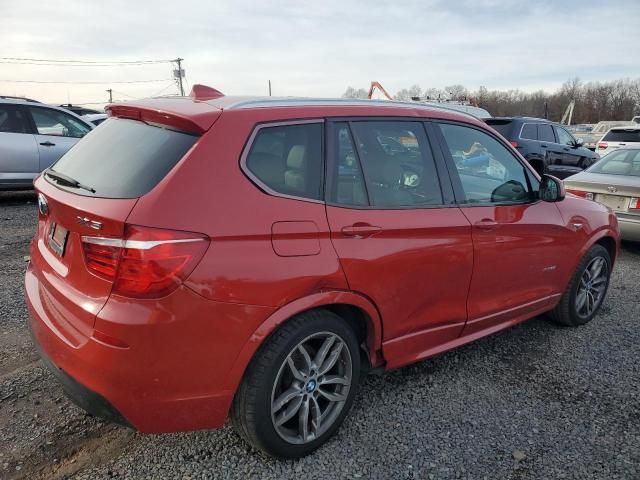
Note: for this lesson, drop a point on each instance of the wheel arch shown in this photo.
(356, 309)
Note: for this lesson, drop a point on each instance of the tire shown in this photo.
(262, 401)
(574, 306)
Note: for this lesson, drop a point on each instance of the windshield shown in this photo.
(620, 162)
(123, 158)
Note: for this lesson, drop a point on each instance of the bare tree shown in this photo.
(351, 92)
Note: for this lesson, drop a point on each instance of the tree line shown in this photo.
(594, 101)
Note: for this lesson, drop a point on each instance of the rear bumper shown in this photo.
(629, 228)
(87, 399)
(168, 371)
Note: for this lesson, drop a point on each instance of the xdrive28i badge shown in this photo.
(43, 205)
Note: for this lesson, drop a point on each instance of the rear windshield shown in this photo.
(502, 126)
(622, 136)
(123, 158)
(618, 162)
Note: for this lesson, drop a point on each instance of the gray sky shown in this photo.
(317, 48)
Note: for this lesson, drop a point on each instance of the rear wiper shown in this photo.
(63, 179)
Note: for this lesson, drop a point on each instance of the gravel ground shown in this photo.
(535, 401)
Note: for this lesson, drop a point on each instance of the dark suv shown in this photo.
(547, 146)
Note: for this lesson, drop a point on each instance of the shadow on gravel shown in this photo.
(17, 197)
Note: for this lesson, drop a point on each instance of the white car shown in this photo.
(95, 118)
(619, 137)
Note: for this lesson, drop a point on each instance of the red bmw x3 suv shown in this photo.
(209, 256)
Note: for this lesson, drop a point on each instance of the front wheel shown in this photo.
(300, 386)
(586, 290)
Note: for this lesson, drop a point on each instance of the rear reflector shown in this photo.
(634, 204)
(603, 146)
(147, 262)
(581, 193)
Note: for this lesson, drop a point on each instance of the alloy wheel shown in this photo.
(592, 286)
(311, 388)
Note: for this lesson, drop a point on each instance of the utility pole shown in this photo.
(179, 73)
(269, 87)
(110, 95)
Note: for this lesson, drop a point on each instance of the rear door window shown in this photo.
(57, 123)
(348, 181)
(398, 164)
(529, 131)
(622, 136)
(287, 159)
(124, 158)
(545, 133)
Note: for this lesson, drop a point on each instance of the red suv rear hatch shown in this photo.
(90, 192)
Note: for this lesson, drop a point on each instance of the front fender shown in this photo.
(316, 300)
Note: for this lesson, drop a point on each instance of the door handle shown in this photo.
(360, 230)
(486, 224)
(48, 144)
(543, 146)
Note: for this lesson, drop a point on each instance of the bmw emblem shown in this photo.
(43, 206)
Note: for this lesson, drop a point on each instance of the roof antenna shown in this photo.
(202, 92)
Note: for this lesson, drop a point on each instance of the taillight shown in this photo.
(147, 262)
(581, 193)
(634, 204)
(514, 144)
(603, 146)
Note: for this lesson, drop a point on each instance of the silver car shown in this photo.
(614, 181)
(32, 137)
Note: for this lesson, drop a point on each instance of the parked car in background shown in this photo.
(95, 118)
(615, 182)
(619, 137)
(79, 110)
(32, 137)
(547, 146)
(636, 119)
(254, 256)
(591, 138)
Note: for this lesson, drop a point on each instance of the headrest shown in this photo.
(295, 159)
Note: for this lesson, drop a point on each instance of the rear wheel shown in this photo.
(300, 386)
(586, 290)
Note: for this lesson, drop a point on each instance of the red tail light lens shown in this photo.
(581, 193)
(148, 262)
(514, 143)
(603, 146)
(634, 204)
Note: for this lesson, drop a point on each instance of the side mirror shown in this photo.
(579, 142)
(551, 189)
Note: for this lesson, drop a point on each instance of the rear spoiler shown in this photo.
(187, 114)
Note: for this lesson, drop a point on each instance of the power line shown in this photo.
(41, 61)
(86, 83)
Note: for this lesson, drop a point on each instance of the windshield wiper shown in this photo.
(63, 179)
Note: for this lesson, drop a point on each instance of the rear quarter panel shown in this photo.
(209, 193)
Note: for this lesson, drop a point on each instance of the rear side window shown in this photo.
(622, 136)
(398, 164)
(529, 131)
(124, 158)
(545, 133)
(503, 127)
(13, 120)
(287, 159)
